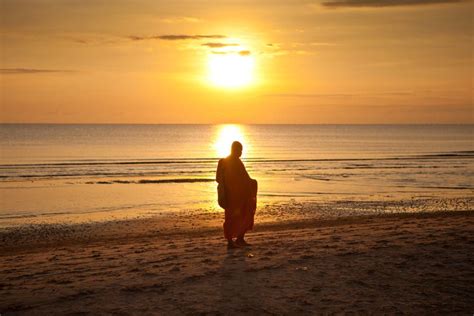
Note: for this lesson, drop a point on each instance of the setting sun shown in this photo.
(231, 70)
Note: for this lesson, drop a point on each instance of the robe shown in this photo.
(240, 196)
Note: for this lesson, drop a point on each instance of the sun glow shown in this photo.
(225, 136)
(231, 70)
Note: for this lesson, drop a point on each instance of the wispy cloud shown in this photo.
(178, 37)
(94, 39)
(80, 40)
(383, 3)
(219, 45)
(239, 52)
(14, 71)
(294, 48)
(180, 19)
(339, 95)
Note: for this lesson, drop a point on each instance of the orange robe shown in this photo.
(240, 196)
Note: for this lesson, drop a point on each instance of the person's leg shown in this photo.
(228, 230)
(231, 244)
(241, 241)
(246, 223)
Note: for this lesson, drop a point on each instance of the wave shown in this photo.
(197, 169)
(100, 163)
(465, 153)
(153, 181)
(101, 174)
(88, 162)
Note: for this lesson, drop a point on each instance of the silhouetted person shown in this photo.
(237, 194)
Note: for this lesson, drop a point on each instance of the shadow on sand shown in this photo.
(239, 287)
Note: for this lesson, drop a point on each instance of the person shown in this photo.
(237, 194)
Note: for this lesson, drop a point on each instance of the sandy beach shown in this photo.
(236, 157)
(374, 264)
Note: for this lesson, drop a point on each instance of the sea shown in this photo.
(71, 173)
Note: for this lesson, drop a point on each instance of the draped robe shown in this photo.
(240, 196)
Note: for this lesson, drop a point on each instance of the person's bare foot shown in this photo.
(240, 242)
(231, 245)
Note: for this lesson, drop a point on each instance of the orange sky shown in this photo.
(147, 61)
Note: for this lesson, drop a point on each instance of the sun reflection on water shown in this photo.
(227, 134)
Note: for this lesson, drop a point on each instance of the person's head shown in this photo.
(236, 149)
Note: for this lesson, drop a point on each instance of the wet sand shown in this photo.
(391, 263)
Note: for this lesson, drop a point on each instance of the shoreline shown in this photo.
(387, 263)
(199, 221)
(43, 236)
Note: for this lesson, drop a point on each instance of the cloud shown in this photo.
(80, 41)
(340, 95)
(94, 40)
(383, 3)
(240, 52)
(178, 37)
(14, 71)
(219, 45)
(299, 95)
(294, 48)
(180, 19)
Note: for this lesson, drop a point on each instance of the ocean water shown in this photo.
(85, 172)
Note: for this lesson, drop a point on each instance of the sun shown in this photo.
(231, 70)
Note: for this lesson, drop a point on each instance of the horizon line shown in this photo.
(229, 123)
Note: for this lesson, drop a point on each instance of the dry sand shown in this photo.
(378, 264)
